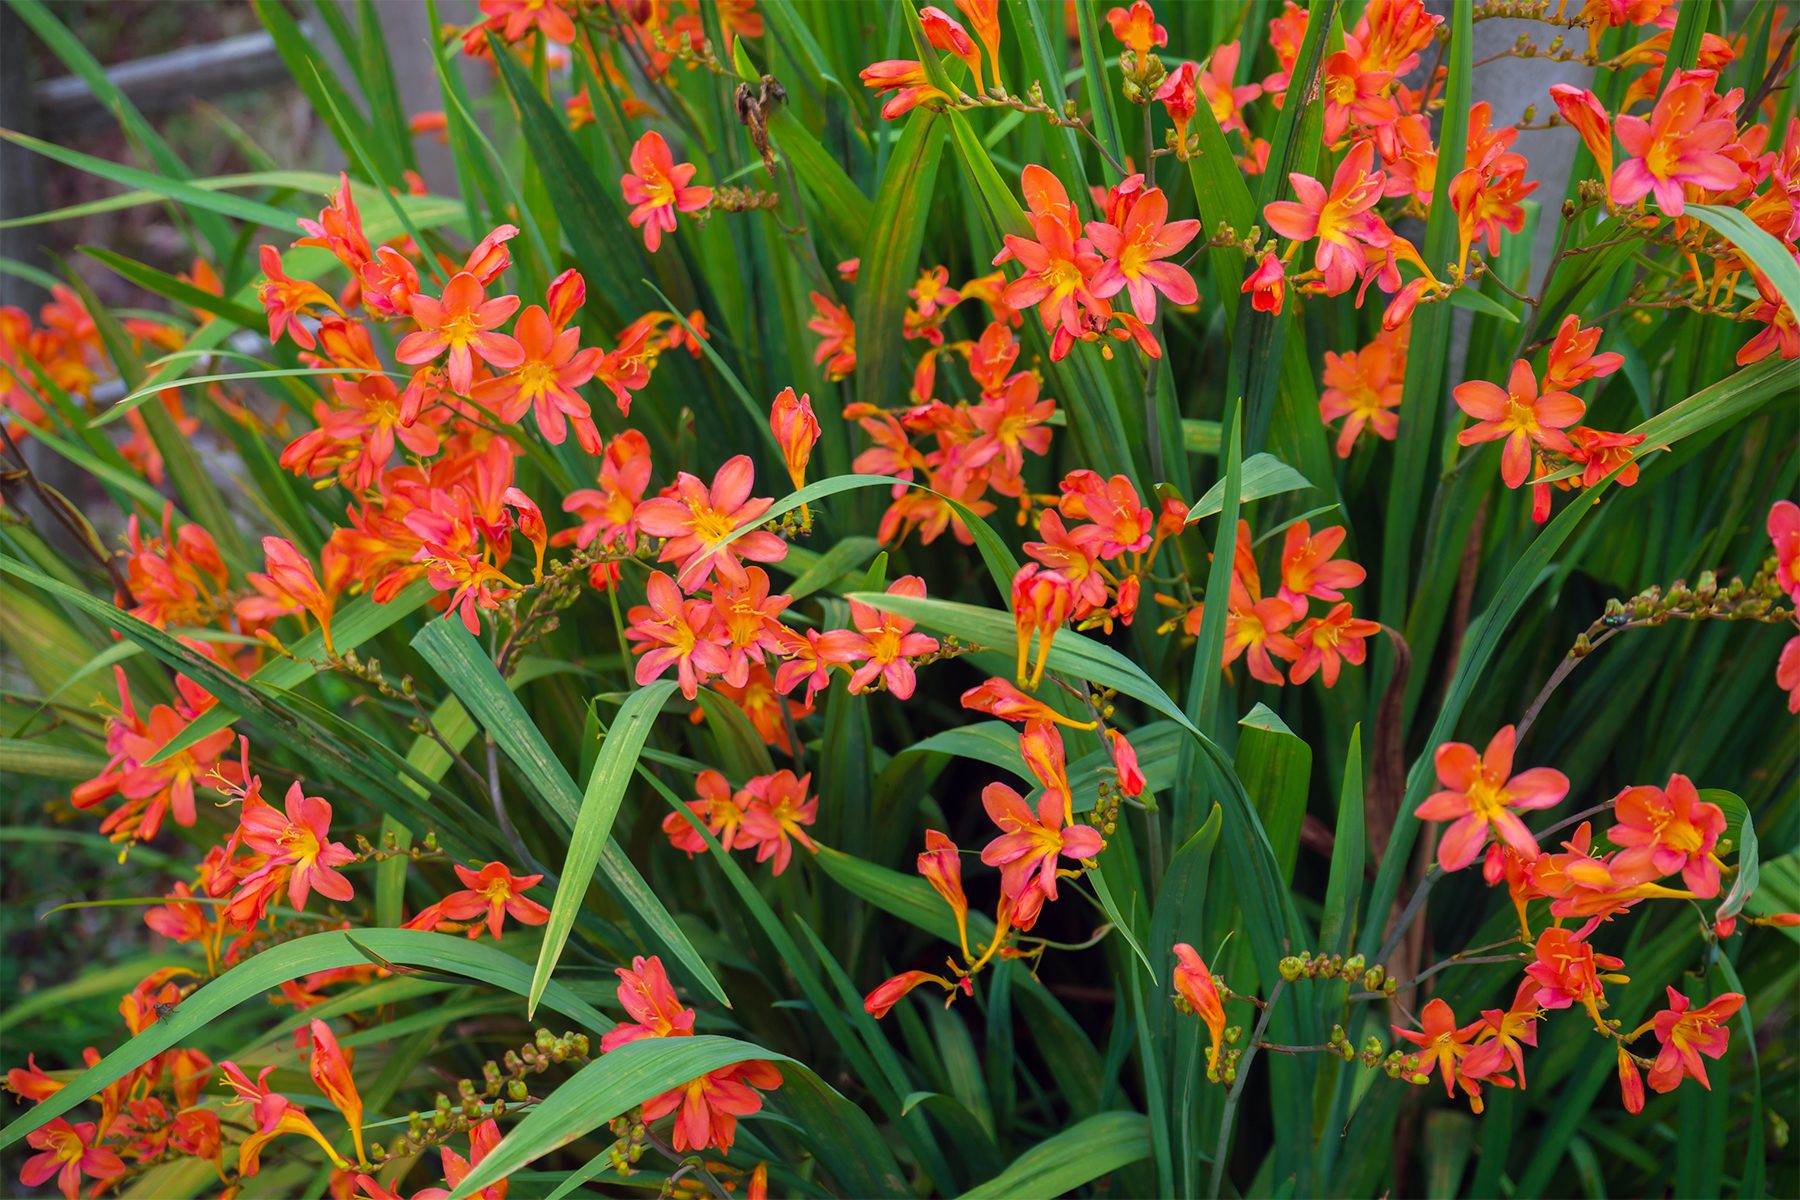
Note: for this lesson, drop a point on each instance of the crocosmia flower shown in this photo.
(1686, 1033)
(69, 1152)
(1665, 830)
(464, 323)
(1194, 984)
(657, 187)
(703, 525)
(1480, 793)
(1520, 415)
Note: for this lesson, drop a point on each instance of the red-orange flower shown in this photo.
(837, 331)
(1678, 147)
(1194, 984)
(1442, 1045)
(1030, 846)
(1134, 250)
(492, 894)
(462, 322)
(1569, 971)
(796, 431)
(330, 1069)
(1687, 1033)
(658, 188)
(69, 1152)
(1137, 27)
(1520, 415)
(700, 524)
(1665, 830)
(649, 1000)
(1481, 793)
(1325, 641)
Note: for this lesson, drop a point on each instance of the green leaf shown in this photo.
(845, 212)
(168, 187)
(351, 626)
(1343, 889)
(1487, 306)
(606, 787)
(292, 960)
(1276, 767)
(1073, 1158)
(1120, 921)
(1263, 475)
(458, 658)
(1763, 251)
(619, 1081)
(890, 258)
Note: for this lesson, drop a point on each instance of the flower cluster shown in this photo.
(1257, 626)
(768, 815)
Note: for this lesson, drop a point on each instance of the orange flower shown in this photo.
(287, 300)
(1665, 831)
(658, 188)
(1136, 27)
(463, 322)
(1518, 414)
(330, 1069)
(1686, 1034)
(999, 698)
(1443, 1045)
(274, 1115)
(1134, 249)
(983, 17)
(941, 865)
(1060, 266)
(1194, 985)
(1583, 112)
(1631, 1083)
(1481, 793)
(1324, 641)
(796, 431)
(1042, 601)
(1342, 219)
(1113, 505)
(296, 840)
(837, 347)
(1180, 94)
(881, 1001)
(1307, 567)
(1364, 386)
(779, 810)
(671, 631)
(1678, 147)
(946, 33)
(649, 1000)
(888, 642)
(1266, 287)
(552, 366)
(514, 20)
(1505, 1031)
(905, 78)
(289, 586)
(69, 1152)
(1569, 972)
(1029, 847)
(495, 891)
(700, 524)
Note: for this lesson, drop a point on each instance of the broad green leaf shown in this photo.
(1276, 768)
(1071, 1159)
(468, 671)
(890, 258)
(1263, 476)
(593, 826)
(1343, 889)
(1761, 249)
(354, 625)
(621, 1080)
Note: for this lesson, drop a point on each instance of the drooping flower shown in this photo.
(1686, 1033)
(649, 1000)
(890, 992)
(1665, 830)
(703, 525)
(1194, 985)
(1631, 1082)
(1519, 414)
(837, 332)
(464, 323)
(330, 1070)
(906, 78)
(274, 1115)
(657, 187)
(1583, 112)
(946, 33)
(1267, 284)
(1480, 793)
(1569, 971)
(1125, 763)
(940, 863)
(289, 586)
(999, 698)
(1180, 94)
(1042, 601)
